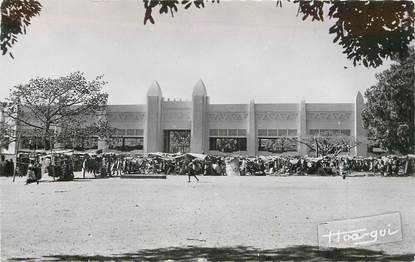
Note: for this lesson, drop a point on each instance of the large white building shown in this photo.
(164, 125)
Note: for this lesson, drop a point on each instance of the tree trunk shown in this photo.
(412, 124)
(45, 141)
(45, 137)
(317, 148)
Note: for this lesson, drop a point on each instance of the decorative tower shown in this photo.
(252, 141)
(302, 127)
(360, 134)
(152, 131)
(199, 133)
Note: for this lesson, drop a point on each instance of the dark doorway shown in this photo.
(176, 141)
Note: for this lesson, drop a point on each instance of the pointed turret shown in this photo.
(199, 137)
(252, 142)
(154, 90)
(199, 89)
(359, 98)
(302, 127)
(152, 131)
(360, 134)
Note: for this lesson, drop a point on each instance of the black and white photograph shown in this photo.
(207, 130)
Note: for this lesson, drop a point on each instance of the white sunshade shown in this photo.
(157, 154)
(198, 156)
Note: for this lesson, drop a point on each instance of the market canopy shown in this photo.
(198, 156)
(160, 154)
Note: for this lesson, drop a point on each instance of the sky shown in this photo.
(241, 51)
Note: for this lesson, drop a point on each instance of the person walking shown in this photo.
(342, 171)
(2, 165)
(9, 168)
(193, 169)
(242, 167)
(31, 175)
(84, 166)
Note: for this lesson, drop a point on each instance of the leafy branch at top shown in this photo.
(367, 31)
(15, 18)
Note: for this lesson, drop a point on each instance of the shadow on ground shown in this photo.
(239, 253)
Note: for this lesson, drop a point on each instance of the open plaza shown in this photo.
(234, 218)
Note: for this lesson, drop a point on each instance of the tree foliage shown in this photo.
(47, 104)
(15, 18)
(329, 145)
(389, 113)
(368, 31)
(7, 133)
(77, 130)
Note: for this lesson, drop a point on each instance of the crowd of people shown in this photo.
(61, 166)
(263, 165)
(58, 166)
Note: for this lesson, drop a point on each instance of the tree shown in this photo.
(77, 131)
(389, 113)
(330, 145)
(48, 105)
(277, 145)
(368, 31)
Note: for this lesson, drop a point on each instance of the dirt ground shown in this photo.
(110, 217)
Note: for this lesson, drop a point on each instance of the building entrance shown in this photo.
(176, 141)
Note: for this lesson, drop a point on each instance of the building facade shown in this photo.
(165, 125)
